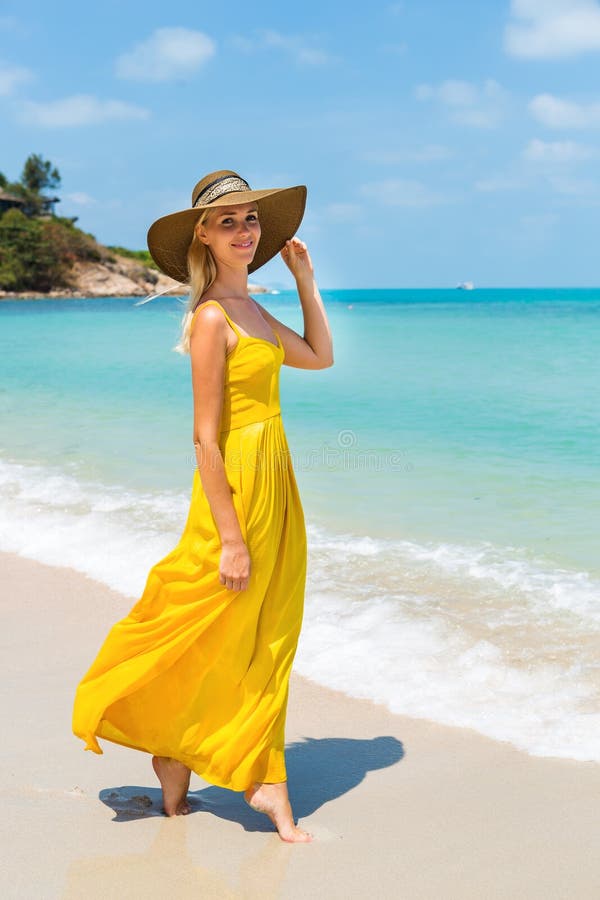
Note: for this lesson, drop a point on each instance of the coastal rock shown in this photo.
(116, 276)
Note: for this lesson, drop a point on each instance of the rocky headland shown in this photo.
(113, 276)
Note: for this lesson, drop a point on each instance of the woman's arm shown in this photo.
(208, 346)
(315, 349)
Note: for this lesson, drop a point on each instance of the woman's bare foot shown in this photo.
(174, 780)
(273, 801)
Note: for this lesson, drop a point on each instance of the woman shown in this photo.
(197, 673)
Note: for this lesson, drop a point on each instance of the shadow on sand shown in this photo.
(319, 770)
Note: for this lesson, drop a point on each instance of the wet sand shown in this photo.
(400, 808)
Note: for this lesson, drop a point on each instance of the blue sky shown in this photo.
(439, 141)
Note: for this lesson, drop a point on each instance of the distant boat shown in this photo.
(465, 286)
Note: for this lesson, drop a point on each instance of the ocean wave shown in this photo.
(477, 636)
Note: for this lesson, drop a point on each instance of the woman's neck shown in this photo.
(231, 283)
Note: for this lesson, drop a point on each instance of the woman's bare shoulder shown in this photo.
(209, 311)
(211, 316)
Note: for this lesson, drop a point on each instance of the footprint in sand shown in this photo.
(54, 792)
(320, 832)
(124, 804)
(76, 792)
(137, 801)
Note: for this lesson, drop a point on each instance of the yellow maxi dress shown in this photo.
(196, 671)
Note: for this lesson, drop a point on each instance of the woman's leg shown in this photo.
(274, 802)
(174, 780)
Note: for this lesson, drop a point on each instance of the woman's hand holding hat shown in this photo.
(297, 258)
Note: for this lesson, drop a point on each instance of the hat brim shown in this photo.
(280, 211)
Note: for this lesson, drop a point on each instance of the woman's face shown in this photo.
(232, 233)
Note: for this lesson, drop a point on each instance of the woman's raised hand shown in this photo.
(297, 258)
(234, 565)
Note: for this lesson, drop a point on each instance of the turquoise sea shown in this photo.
(448, 465)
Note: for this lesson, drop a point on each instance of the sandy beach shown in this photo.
(399, 807)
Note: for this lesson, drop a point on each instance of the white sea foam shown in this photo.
(478, 637)
(475, 636)
(111, 534)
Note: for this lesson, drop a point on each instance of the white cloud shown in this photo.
(311, 57)
(540, 220)
(467, 103)
(546, 179)
(257, 178)
(424, 92)
(167, 54)
(457, 93)
(556, 113)
(80, 109)
(342, 212)
(401, 192)
(536, 228)
(80, 198)
(585, 189)
(500, 183)
(397, 49)
(243, 43)
(557, 151)
(294, 45)
(551, 29)
(11, 77)
(425, 154)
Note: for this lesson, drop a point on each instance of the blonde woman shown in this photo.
(197, 673)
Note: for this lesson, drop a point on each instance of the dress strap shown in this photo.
(216, 303)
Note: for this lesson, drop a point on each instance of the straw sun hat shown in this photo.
(280, 212)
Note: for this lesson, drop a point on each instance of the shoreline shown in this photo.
(406, 806)
(111, 275)
(82, 295)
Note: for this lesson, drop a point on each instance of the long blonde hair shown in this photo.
(203, 271)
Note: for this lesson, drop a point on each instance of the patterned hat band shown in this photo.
(228, 184)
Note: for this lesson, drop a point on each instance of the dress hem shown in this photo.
(92, 744)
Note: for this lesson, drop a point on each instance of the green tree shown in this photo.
(38, 174)
(39, 254)
(28, 259)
